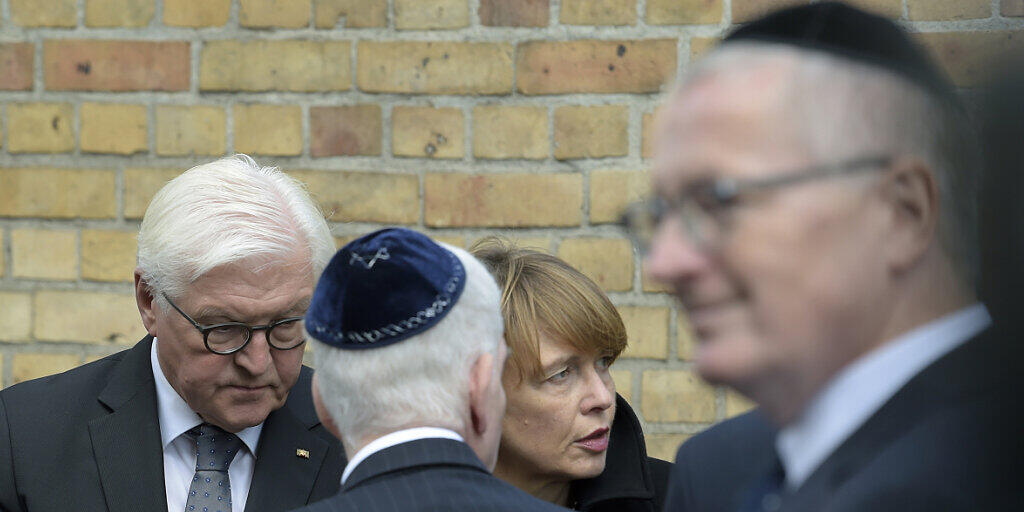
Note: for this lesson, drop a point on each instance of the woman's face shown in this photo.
(557, 424)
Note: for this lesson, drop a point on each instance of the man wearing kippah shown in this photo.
(815, 214)
(410, 350)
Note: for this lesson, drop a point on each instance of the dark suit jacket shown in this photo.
(714, 469)
(427, 475)
(950, 439)
(89, 440)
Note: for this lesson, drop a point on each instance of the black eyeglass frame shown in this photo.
(206, 329)
(725, 192)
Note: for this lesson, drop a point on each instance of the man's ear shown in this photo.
(144, 299)
(321, 411)
(480, 377)
(913, 194)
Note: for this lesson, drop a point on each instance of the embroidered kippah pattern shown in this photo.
(441, 302)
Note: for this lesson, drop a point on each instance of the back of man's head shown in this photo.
(402, 324)
(224, 212)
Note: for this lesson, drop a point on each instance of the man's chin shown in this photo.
(243, 416)
(721, 364)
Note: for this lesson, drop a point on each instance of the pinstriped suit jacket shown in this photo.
(427, 475)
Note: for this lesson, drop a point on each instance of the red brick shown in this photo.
(514, 13)
(347, 130)
(16, 66)
(514, 200)
(595, 66)
(86, 65)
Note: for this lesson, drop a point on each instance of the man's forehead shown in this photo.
(731, 118)
(740, 83)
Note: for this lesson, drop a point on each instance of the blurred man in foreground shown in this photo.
(815, 215)
(409, 361)
(211, 411)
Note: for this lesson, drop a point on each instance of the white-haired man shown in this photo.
(409, 365)
(212, 410)
(816, 217)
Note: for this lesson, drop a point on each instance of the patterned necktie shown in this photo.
(210, 490)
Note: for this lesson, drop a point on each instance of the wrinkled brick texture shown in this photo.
(531, 119)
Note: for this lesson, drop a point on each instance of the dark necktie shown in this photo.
(211, 490)
(766, 493)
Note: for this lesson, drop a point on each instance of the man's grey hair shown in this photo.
(224, 212)
(842, 109)
(420, 381)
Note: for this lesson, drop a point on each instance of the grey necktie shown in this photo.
(210, 490)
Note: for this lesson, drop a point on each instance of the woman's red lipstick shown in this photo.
(596, 442)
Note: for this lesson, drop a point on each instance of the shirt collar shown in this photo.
(176, 417)
(396, 438)
(863, 386)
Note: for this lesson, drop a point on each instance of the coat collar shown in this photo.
(421, 452)
(124, 442)
(982, 366)
(626, 472)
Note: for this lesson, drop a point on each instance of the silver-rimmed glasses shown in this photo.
(702, 205)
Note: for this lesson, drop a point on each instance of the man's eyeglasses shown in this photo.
(701, 206)
(230, 337)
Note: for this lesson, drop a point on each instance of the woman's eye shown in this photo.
(562, 375)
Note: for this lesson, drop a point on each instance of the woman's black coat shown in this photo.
(631, 481)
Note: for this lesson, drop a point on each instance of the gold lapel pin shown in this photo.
(299, 452)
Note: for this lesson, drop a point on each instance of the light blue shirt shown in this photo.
(863, 386)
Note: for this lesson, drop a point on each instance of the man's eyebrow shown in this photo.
(212, 311)
(301, 306)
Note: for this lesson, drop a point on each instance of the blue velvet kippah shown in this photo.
(839, 29)
(383, 288)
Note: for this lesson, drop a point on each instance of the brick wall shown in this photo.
(460, 118)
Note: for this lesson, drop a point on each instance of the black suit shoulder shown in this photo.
(427, 475)
(714, 468)
(434, 490)
(949, 439)
(72, 437)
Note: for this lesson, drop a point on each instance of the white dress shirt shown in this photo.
(396, 438)
(862, 387)
(176, 418)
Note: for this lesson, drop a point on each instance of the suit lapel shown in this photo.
(126, 443)
(963, 374)
(283, 479)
